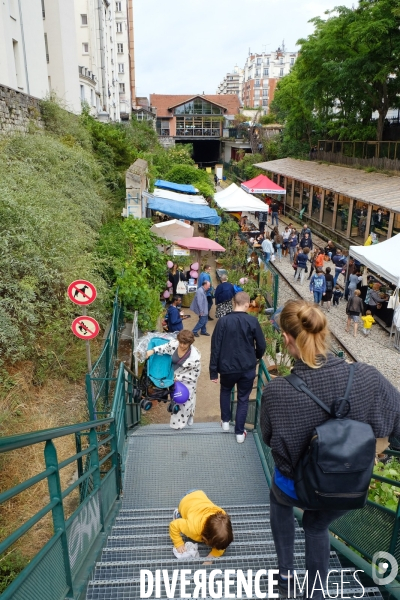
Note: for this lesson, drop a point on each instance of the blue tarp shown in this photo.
(183, 210)
(177, 187)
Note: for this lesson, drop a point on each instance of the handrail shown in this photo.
(101, 480)
(29, 439)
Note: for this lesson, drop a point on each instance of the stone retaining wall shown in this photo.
(18, 111)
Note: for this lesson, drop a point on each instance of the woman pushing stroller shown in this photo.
(186, 366)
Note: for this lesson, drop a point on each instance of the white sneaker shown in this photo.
(176, 514)
(240, 438)
(225, 426)
(190, 421)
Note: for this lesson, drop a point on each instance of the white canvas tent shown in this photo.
(226, 192)
(383, 258)
(173, 230)
(239, 200)
(188, 198)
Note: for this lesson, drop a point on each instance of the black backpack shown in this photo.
(335, 470)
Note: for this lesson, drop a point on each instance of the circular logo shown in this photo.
(384, 568)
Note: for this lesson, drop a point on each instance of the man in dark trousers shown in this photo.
(236, 344)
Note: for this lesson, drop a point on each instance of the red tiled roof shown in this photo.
(163, 102)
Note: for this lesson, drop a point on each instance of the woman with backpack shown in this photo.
(327, 296)
(289, 420)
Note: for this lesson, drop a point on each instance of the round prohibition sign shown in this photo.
(85, 328)
(82, 292)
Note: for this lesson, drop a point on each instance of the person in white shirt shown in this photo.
(267, 248)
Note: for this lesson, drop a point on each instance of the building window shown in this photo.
(265, 102)
(118, 6)
(120, 48)
(266, 72)
(281, 60)
(84, 20)
(85, 48)
(292, 61)
(119, 27)
(46, 45)
(280, 72)
(198, 107)
(122, 88)
(121, 68)
(265, 92)
(82, 93)
(257, 83)
(259, 61)
(267, 63)
(92, 97)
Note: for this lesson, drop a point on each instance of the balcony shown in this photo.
(85, 73)
(198, 132)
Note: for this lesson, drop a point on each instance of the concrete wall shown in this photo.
(136, 184)
(18, 111)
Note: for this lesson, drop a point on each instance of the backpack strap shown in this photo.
(299, 384)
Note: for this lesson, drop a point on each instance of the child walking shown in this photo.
(203, 521)
(337, 294)
(368, 320)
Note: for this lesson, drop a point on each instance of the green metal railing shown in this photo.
(268, 276)
(371, 529)
(55, 572)
(100, 381)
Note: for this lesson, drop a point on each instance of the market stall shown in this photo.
(184, 210)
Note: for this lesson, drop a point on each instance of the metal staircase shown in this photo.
(161, 466)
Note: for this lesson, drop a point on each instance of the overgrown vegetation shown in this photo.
(383, 493)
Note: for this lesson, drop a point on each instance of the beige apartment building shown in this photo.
(261, 74)
(232, 82)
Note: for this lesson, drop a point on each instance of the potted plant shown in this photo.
(280, 361)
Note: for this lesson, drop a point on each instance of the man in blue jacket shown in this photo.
(206, 276)
(174, 315)
(236, 345)
(200, 307)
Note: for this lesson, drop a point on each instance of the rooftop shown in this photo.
(371, 188)
(162, 102)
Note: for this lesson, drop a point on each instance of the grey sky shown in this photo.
(187, 46)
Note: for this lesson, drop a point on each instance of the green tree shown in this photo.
(188, 174)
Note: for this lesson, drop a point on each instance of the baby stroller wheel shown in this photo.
(169, 407)
(176, 409)
(146, 404)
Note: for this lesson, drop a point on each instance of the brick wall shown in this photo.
(18, 111)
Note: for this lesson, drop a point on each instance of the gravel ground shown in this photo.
(376, 350)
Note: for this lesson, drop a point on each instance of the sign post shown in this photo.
(86, 328)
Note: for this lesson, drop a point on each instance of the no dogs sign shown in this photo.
(82, 292)
(85, 328)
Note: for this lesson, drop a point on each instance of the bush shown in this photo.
(188, 174)
(53, 203)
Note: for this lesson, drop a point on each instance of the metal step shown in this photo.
(167, 512)
(125, 536)
(155, 553)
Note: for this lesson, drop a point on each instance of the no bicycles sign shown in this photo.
(85, 328)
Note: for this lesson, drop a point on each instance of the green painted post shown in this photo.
(107, 374)
(95, 462)
(90, 398)
(78, 445)
(114, 459)
(55, 493)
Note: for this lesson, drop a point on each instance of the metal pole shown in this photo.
(89, 363)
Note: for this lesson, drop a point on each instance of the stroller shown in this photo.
(157, 380)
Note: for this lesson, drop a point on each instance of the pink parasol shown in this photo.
(200, 243)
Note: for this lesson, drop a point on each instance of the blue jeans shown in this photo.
(292, 250)
(337, 273)
(267, 256)
(201, 324)
(279, 251)
(275, 218)
(317, 297)
(315, 524)
(244, 385)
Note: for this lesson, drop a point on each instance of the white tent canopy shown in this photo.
(173, 230)
(227, 191)
(382, 258)
(239, 200)
(188, 198)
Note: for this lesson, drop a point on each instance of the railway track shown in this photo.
(338, 346)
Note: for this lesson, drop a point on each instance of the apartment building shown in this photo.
(232, 82)
(261, 74)
(103, 57)
(22, 47)
(82, 50)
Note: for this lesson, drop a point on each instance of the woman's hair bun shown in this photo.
(312, 319)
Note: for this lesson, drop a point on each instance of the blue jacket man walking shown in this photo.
(200, 307)
(206, 276)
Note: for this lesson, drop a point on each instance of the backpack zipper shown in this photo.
(340, 495)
